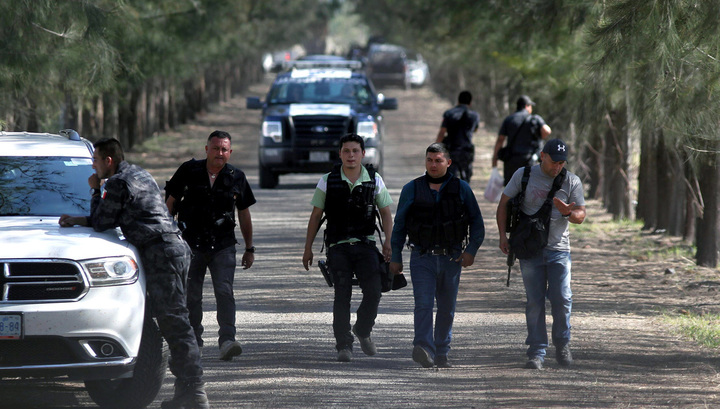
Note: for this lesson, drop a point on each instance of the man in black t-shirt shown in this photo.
(523, 132)
(204, 194)
(458, 125)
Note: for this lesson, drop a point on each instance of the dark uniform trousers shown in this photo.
(362, 259)
(166, 264)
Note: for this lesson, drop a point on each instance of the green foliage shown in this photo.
(704, 329)
(52, 52)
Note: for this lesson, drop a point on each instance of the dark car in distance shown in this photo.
(306, 111)
(387, 64)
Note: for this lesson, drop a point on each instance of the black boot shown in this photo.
(188, 395)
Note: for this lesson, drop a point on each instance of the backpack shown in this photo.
(529, 235)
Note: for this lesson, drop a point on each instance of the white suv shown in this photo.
(72, 300)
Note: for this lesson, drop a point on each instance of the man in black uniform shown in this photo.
(204, 194)
(131, 200)
(458, 125)
(525, 131)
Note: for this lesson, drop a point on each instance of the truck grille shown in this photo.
(320, 126)
(42, 280)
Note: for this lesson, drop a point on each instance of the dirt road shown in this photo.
(625, 356)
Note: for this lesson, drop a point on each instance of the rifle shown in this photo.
(513, 215)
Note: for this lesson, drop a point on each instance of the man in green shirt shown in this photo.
(348, 196)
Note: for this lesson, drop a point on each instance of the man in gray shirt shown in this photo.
(547, 274)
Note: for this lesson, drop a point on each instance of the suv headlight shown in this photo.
(272, 129)
(367, 129)
(111, 271)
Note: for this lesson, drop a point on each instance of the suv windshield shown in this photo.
(332, 90)
(44, 186)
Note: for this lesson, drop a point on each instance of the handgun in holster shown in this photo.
(326, 272)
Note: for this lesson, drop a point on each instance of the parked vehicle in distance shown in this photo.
(418, 69)
(387, 64)
(73, 300)
(306, 111)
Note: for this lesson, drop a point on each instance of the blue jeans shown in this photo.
(221, 264)
(547, 276)
(434, 278)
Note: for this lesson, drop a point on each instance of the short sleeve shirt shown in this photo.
(536, 192)
(382, 196)
(528, 136)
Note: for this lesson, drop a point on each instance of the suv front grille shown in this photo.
(42, 280)
(320, 126)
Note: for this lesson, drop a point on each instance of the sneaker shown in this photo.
(534, 363)
(188, 395)
(563, 355)
(368, 347)
(442, 361)
(344, 355)
(229, 349)
(421, 356)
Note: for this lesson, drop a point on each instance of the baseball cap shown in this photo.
(523, 101)
(557, 149)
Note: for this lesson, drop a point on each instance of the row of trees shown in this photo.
(630, 84)
(130, 68)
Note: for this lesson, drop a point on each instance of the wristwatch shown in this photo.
(250, 249)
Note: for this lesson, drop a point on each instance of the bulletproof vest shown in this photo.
(349, 214)
(207, 213)
(441, 224)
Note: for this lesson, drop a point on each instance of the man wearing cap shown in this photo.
(523, 132)
(547, 274)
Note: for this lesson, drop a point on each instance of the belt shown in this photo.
(435, 252)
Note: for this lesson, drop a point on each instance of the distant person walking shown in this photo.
(456, 132)
(523, 132)
(440, 217)
(546, 275)
(205, 194)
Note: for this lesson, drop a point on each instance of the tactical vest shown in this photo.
(208, 213)
(442, 224)
(349, 214)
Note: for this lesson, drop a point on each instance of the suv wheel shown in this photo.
(148, 376)
(268, 178)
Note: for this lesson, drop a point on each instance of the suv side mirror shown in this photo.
(253, 103)
(388, 103)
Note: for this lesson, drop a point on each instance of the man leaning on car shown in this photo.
(131, 199)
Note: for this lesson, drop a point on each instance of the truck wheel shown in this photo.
(139, 391)
(268, 179)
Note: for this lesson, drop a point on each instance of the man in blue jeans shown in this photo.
(206, 194)
(547, 274)
(441, 218)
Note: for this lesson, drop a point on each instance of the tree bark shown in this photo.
(707, 225)
(616, 193)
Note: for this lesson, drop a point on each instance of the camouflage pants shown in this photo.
(166, 264)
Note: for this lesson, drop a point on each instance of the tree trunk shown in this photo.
(616, 193)
(707, 225)
(647, 207)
